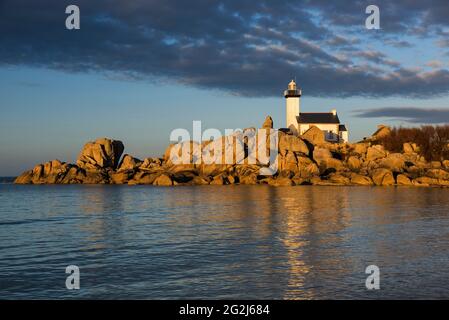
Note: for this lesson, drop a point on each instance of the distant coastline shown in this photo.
(7, 180)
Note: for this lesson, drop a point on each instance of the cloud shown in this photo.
(399, 17)
(342, 42)
(377, 57)
(399, 43)
(436, 64)
(241, 47)
(408, 114)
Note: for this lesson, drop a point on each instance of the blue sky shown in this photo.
(145, 71)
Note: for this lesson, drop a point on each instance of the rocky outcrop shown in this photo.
(268, 123)
(100, 154)
(50, 172)
(303, 160)
(381, 132)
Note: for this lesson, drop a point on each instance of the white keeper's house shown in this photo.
(299, 122)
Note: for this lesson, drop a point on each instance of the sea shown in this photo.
(223, 242)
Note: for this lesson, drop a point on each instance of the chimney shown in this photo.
(334, 112)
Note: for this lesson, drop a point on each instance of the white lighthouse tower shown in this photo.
(292, 96)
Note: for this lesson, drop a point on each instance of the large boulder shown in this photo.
(232, 149)
(424, 181)
(150, 164)
(338, 179)
(394, 162)
(410, 148)
(75, 175)
(354, 163)
(381, 132)
(314, 135)
(268, 123)
(185, 152)
(121, 177)
(292, 144)
(95, 177)
(325, 160)
(184, 176)
(403, 180)
(360, 148)
(129, 163)
(143, 177)
(382, 177)
(438, 174)
(361, 180)
(289, 162)
(375, 152)
(332, 163)
(321, 154)
(307, 168)
(102, 153)
(168, 151)
(163, 180)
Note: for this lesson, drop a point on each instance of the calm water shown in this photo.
(223, 242)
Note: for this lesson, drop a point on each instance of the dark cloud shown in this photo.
(399, 43)
(342, 41)
(408, 114)
(377, 57)
(243, 47)
(397, 17)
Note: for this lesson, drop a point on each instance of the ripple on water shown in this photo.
(223, 242)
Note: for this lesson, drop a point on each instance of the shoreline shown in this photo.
(228, 186)
(293, 161)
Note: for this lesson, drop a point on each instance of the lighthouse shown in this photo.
(300, 123)
(292, 96)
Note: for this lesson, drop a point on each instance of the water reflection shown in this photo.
(104, 208)
(227, 242)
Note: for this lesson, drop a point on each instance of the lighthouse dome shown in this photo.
(292, 85)
(293, 90)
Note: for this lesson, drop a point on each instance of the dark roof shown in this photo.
(318, 117)
(342, 127)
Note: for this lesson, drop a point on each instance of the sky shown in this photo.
(136, 70)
